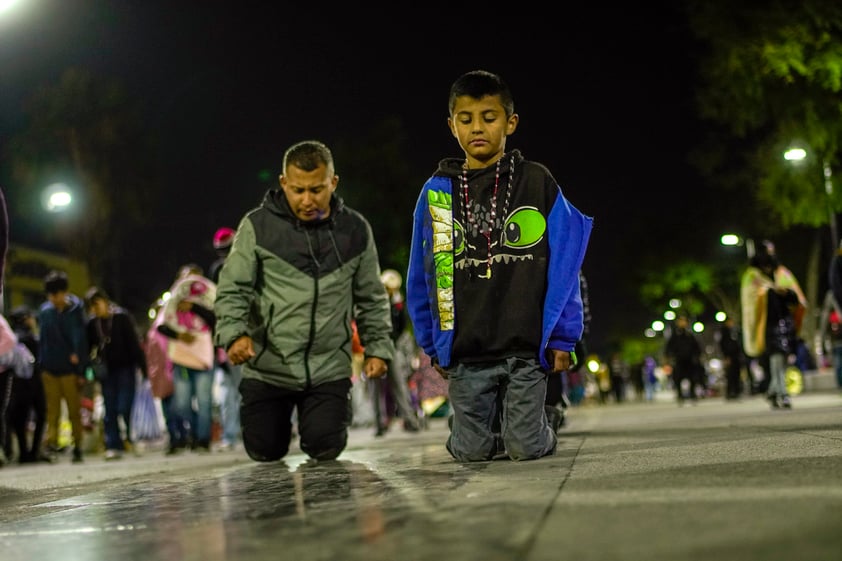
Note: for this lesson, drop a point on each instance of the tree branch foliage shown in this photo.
(87, 132)
(771, 75)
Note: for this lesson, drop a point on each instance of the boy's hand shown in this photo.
(442, 372)
(561, 360)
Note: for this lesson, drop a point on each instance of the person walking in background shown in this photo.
(835, 305)
(302, 267)
(394, 386)
(684, 354)
(830, 333)
(773, 306)
(231, 374)
(160, 372)
(222, 240)
(484, 224)
(729, 339)
(650, 379)
(4, 245)
(619, 371)
(62, 356)
(28, 404)
(112, 333)
(8, 360)
(188, 320)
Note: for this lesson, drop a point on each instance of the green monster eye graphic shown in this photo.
(458, 238)
(524, 228)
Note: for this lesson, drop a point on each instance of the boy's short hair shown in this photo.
(478, 84)
(55, 282)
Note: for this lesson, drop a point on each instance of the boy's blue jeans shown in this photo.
(519, 386)
(192, 384)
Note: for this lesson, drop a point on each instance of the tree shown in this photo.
(701, 288)
(771, 75)
(87, 131)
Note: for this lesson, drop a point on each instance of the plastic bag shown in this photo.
(145, 422)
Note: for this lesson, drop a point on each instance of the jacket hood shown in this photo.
(276, 202)
(452, 167)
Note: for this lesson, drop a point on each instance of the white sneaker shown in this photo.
(113, 455)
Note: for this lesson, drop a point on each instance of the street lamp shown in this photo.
(735, 240)
(796, 156)
(56, 197)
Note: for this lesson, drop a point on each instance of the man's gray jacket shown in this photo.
(294, 288)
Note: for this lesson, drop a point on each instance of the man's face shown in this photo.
(308, 192)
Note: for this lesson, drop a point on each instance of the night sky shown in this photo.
(604, 96)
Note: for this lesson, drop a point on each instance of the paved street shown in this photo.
(649, 481)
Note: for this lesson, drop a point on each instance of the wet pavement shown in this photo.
(651, 481)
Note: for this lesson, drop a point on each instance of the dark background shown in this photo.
(605, 98)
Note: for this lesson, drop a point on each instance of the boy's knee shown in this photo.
(517, 451)
(472, 453)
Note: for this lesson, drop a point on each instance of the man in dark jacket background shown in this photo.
(684, 353)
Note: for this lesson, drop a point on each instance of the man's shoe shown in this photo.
(77, 456)
(785, 402)
(773, 401)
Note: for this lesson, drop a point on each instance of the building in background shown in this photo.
(26, 268)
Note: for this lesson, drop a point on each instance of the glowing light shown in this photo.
(658, 325)
(6, 5)
(721, 316)
(698, 327)
(730, 239)
(795, 154)
(57, 197)
(669, 315)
